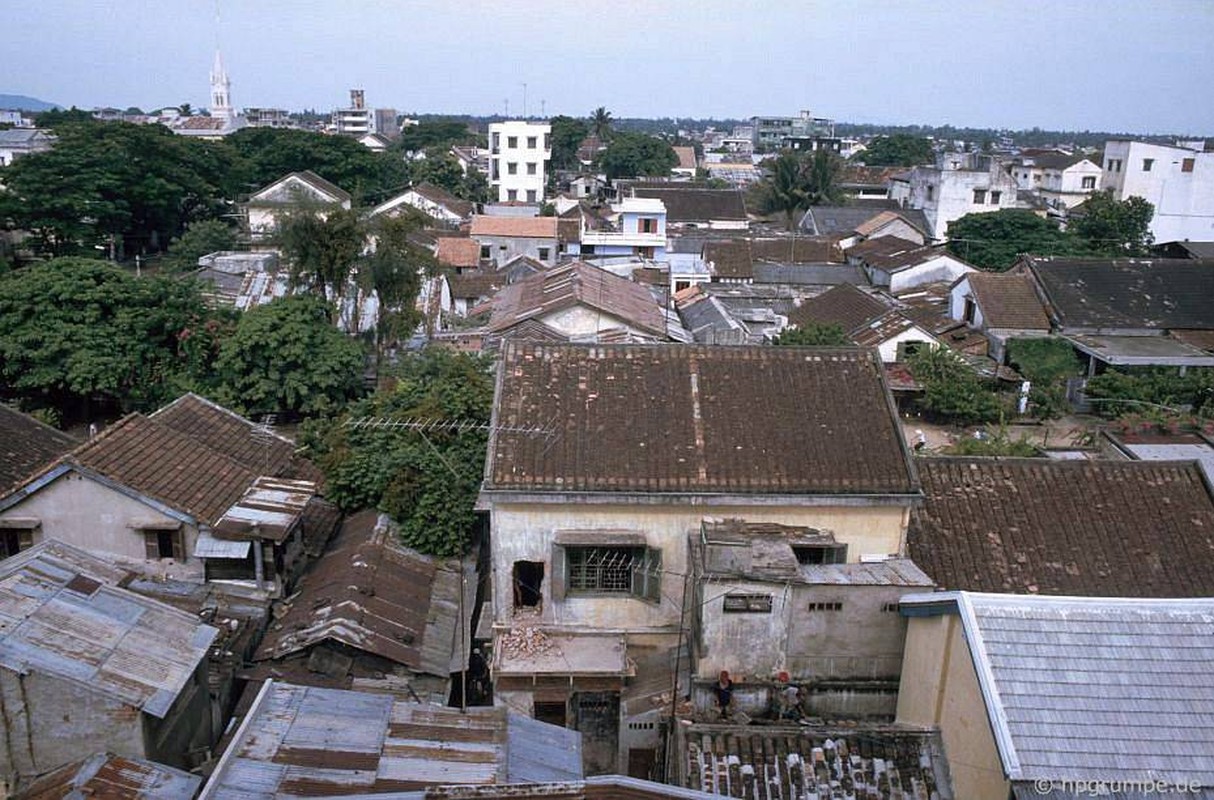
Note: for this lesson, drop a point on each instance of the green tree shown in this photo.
(795, 181)
(994, 240)
(427, 481)
(1115, 227)
(441, 168)
(58, 116)
(814, 334)
(632, 155)
(394, 271)
(441, 134)
(199, 239)
(600, 123)
(113, 185)
(73, 330)
(322, 251)
(898, 150)
(186, 110)
(951, 390)
(1047, 363)
(286, 357)
(567, 136)
(1144, 388)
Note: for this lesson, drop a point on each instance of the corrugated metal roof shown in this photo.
(300, 740)
(129, 647)
(269, 509)
(105, 776)
(207, 546)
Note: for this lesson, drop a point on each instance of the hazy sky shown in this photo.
(1114, 65)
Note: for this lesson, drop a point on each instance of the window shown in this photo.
(747, 604)
(836, 606)
(970, 312)
(531, 142)
(531, 197)
(995, 198)
(547, 141)
(511, 168)
(497, 142)
(551, 712)
(624, 570)
(528, 580)
(1147, 163)
(1089, 181)
(511, 195)
(14, 540)
(163, 543)
(1186, 165)
(1114, 165)
(930, 191)
(648, 225)
(979, 196)
(587, 249)
(908, 349)
(512, 142)
(485, 252)
(544, 253)
(644, 252)
(825, 553)
(891, 608)
(530, 167)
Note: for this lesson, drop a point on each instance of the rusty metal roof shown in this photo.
(270, 509)
(62, 615)
(298, 740)
(105, 776)
(372, 594)
(696, 419)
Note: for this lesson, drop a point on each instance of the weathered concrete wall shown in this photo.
(527, 533)
(941, 269)
(940, 688)
(82, 512)
(504, 248)
(582, 321)
(183, 738)
(48, 722)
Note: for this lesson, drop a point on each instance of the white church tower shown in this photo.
(221, 92)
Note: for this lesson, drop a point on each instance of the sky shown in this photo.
(1135, 66)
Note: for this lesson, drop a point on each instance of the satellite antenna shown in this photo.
(263, 434)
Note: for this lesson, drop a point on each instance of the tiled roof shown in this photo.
(1155, 293)
(697, 205)
(882, 329)
(476, 284)
(736, 258)
(458, 251)
(892, 252)
(522, 227)
(730, 258)
(1086, 528)
(1008, 300)
(271, 194)
(106, 776)
(308, 741)
(696, 419)
(826, 220)
(842, 305)
(27, 444)
(254, 446)
(62, 617)
(440, 196)
(577, 284)
(788, 763)
(1084, 689)
(687, 157)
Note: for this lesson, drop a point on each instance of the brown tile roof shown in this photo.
(371, 594)
(158, 461)
(881, 329)
(687, 157)
(26, 444)
(257, 449)
(1008, 300)
(442, 197)
(1085, 528)
(871, 226)
(684, 418)
(577, 284)
(458, 251)
(523, 227)
(842, 305)
(697, 205)
(799, 250)
(892, 252)
(476, 284)
(730, 258)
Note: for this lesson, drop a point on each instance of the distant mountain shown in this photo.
(20, 101)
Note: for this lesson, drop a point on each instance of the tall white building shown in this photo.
(1178, 180)
(959, 184)
(221, 91)
(223, 120)
(519, 152)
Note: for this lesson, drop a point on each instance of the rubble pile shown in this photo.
(526, 642)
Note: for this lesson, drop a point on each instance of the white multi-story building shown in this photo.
(1178, 180)
(519, 152)
(358, 120)
(959, 184)
(1062, 180)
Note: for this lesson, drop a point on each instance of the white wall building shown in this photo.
(959, 184)
(519, 154)
(1177, 180)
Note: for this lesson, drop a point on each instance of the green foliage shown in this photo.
(632, 155)
(567, 136)
(994, 240)
(1047, 363)
(951, 390)
(394, 272)
(795, 181)
(321, 250)
(140, 184)
(600, 124)
(199, 239)
(443, 170)
(288, 357)
(429, 135)
(813, 334)
(1141, 388)
(74, 329)
(426, 482)
(994, 442)
(58, 116)
(898, 150)
(1115, 227)
(268, 154)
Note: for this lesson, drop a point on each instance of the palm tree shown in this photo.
(186, 109)
(600, 123)
(784, 189)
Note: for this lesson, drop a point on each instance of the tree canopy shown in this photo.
(795, 181)
(898, 150)
(73, 330)
(634, 155)
(567, 136)
(199, 239)
(427, 481)
(951, 389)
(600, 123)
(994, 240)
(432, 134)
(813, 334)
(1115, 227)
(286, 357)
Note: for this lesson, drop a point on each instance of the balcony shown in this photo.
(622, 238)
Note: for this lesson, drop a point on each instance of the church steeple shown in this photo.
(221, 91)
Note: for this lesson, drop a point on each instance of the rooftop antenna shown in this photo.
(507, 102)
(543, 111)
(263, 434)
(524, 100)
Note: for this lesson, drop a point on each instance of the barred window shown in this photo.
(635, 571)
